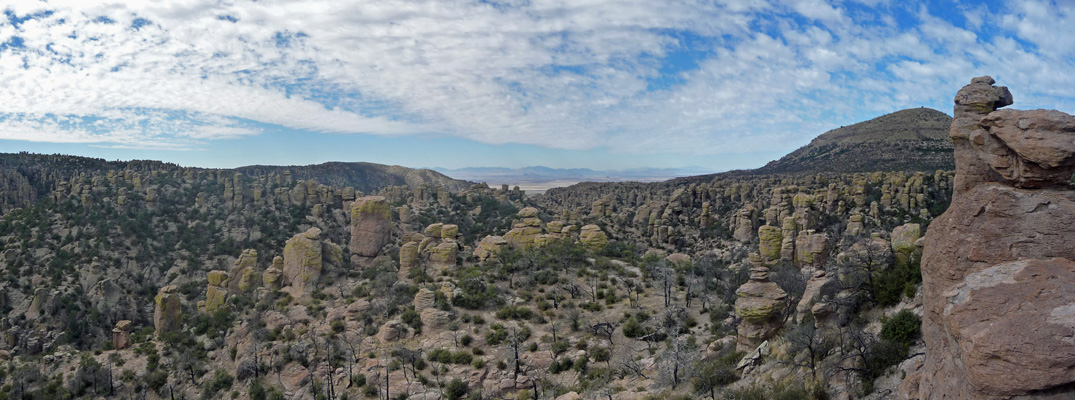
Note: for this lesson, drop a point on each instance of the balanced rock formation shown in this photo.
(121, 335)
(997, 270)
(523, 232)
(760, 305)
(371, 225)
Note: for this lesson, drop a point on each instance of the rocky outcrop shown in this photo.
(243, 272)
(273, 276)
(811, 249)
(489, 247)
(302, 262)
(166, 310)
(524, 231)
(593, 237)
(997, 269)
(760, 305)
(371, 225)
(121, 335)
(216, 294)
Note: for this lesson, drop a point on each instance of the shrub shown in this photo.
(903, 328)
(513, 312)
(411, 317)
(456, 389)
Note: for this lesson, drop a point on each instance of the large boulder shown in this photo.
(997, 270)
(811, 249)
(769, 243)
(371, 225)
(593, 237)
(216, 294)
(302, 262)
(166, 310)
(490, 247)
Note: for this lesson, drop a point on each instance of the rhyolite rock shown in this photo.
(371, 225)
(216, 294)
(769, 244)
(760, 305)
(997, 270)
(302, 262)
(166, 310)
(246, 264)
(489, 247)
(593, 237)
(121, 335)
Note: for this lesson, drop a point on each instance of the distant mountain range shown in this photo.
(541, 175)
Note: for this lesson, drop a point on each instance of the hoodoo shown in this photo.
(997, 270)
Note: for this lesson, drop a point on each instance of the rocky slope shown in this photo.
(25, 178)
(999, 266)
(908, 140)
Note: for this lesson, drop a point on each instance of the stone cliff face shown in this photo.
(997, 269)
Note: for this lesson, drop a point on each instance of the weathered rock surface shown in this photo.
(489, 247)
(166, 310)
(997, 269)
(302, 262)
(216, 294)
(593, 237)
(760, 305)
(371, 225)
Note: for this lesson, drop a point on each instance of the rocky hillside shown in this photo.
(26, 177)
(908, 140)
(366, 177)
(160, 282)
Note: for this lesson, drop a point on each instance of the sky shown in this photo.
(602, 84)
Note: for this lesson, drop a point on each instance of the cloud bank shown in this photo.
(631, 76)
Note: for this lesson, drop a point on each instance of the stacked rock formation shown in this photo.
(489, 247)
(593, 237)
(997, 269)
(244, 272)
(121, 335)
(524, 231)
(216, 294)
(760, 305)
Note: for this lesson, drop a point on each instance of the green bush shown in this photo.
(456, 389)
(903, 328)
(411, 317)
(513, 312)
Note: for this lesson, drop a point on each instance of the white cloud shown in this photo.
(573, 74)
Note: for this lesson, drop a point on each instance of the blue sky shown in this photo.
(600, 84)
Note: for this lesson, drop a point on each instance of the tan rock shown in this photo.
(216, 294)
(593, 237)
(371, 225)
(811, 249)
(997, 270)
(302, 262)
(769, 244)
(121, 335)
(489, 247)
(166, 310)
(760, 305)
